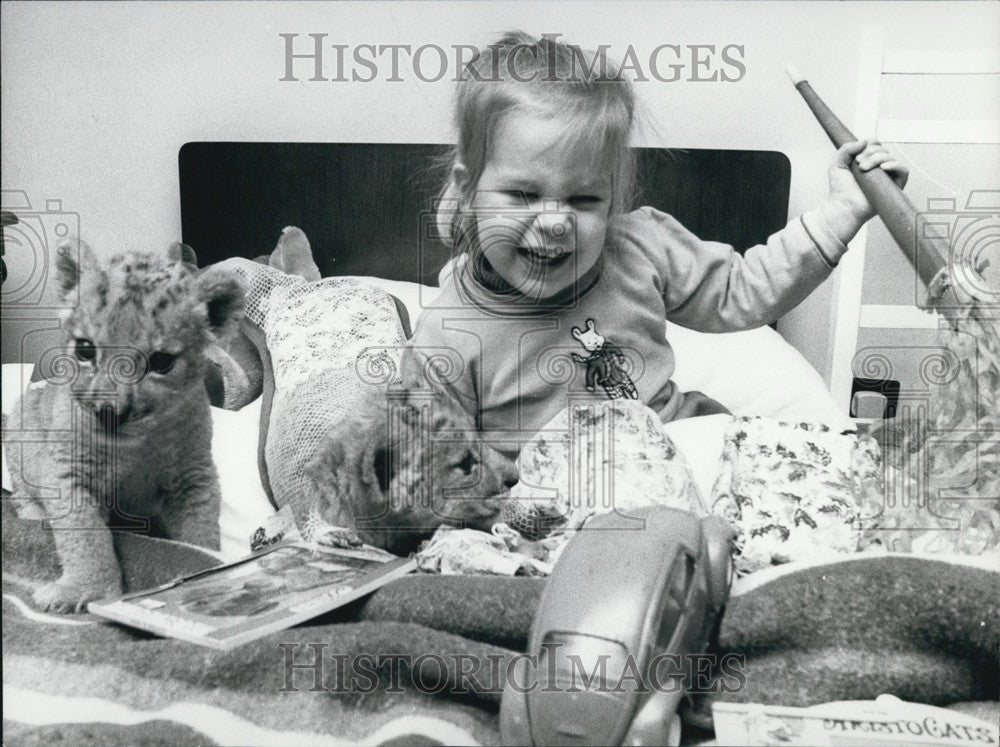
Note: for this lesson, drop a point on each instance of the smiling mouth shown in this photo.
(552, 261)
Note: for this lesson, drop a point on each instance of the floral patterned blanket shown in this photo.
(795, 491)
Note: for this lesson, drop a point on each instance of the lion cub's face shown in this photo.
(441, 461)
(421, 464)
(137, 334)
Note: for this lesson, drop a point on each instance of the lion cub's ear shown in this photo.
(73, 258)
(224, 299)
(385, 465)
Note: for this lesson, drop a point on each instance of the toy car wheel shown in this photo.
(719, 535)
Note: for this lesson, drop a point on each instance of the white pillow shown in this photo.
(700, 440)
(755, 372)
(245, 505)
(16, 377)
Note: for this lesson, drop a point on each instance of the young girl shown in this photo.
(557, 294)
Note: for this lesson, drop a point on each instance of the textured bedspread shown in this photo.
(922, 629)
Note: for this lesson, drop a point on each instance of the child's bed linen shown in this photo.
(838, 631)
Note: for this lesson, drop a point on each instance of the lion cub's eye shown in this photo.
(468, 463)
(161, 363)
(84, 349)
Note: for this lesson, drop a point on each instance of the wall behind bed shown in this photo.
(98, 98)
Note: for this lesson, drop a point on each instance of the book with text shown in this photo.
(886, 721)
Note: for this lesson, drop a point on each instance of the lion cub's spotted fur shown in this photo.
(397, 467)
(125, 415)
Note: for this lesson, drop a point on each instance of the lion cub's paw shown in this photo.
(71, 598)
(340, 537)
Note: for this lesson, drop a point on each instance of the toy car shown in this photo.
(631, 600)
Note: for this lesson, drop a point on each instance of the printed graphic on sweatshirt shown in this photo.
(604, 364)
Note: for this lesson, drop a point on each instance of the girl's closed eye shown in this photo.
(521, 196)
(585, 202)
(580, 202)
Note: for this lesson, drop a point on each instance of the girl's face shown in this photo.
(541, 206)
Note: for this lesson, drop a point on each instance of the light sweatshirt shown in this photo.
(514, 364)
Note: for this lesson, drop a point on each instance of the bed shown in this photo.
(86, 681)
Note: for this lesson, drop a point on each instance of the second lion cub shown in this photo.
(125, 415)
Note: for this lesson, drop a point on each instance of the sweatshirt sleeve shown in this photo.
(708, 286)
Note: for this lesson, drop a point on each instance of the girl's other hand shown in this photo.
(869, 154)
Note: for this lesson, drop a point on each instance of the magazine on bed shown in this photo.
(287, 583)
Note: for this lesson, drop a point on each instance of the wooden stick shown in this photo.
(927, 255)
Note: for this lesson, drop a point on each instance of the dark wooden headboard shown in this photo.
(364, 206)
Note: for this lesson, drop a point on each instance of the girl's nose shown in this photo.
(554, 222)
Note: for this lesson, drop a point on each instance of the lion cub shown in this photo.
(121, 431)
(397, 467)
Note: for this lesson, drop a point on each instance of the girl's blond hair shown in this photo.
(521, 72)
